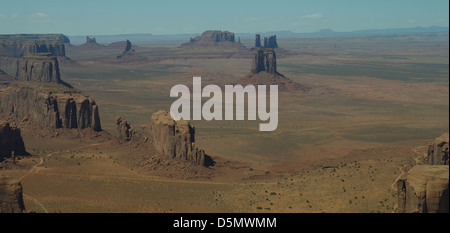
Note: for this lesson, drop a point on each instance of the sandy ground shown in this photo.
(373, 107)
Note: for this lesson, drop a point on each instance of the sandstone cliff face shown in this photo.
(438, 151)
(20, 48)
(424, 189)
(49, 107)
(173, 139)
(5, 79)
(11, 196)
(10, 140)
(42, 67)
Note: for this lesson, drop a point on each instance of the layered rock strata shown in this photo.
(20, 48)
(424, 189)
(49, 105)
(173, 139)
(42, 67)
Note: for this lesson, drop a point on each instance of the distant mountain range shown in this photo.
(331, 33)
(107, 39)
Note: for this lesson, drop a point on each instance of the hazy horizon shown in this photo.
(83, 17)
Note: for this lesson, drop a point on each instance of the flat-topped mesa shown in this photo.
(53, 37)
(10, 141)
(212, 39)
(11, 196)
(216, 36)
(19, 48)
(264, 60)
(40, 67)
(438, 151)
(49, 105)
(424, 189)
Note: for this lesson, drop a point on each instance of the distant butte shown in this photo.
(269, 42)
(91, 43)
(214, 38)
(264, 72)
(129, 54)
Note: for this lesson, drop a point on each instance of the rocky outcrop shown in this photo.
(269, 42)
(49, 105)
(11, 196)
(438, 151)
(264, 72)
(128, 50)
(264, 60)
(10, 140)
(128, 47)
(90, 40)
(128, 55)
(91, 43)
(424, 189)
(272, 42)
(41, 67)
(123, 129)
(5, 79)
(257, 41)
(173, 139)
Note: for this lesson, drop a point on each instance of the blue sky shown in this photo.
(104, 17)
